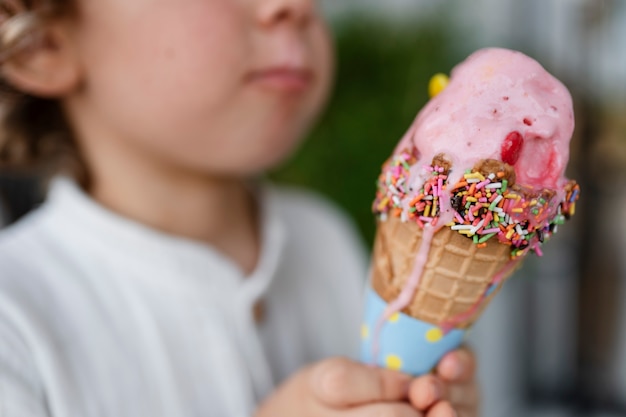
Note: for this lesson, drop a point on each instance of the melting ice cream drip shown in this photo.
(421, 258)
(410, 287)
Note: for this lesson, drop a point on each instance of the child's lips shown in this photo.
(282, 79)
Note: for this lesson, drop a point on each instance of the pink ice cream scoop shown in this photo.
(500, 104)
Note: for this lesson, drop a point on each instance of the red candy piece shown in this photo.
(512, 148)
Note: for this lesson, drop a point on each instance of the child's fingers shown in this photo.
(383, 410)
(466, 412)
(457, 366)
(466, 395)
(339, 382)
(426, 391)
(442, 409)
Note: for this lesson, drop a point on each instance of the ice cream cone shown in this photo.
(476, 184)
(455, 278)
(457, 285)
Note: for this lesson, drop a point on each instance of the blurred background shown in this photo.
(554, 342)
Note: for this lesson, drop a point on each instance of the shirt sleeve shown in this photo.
(21, 392)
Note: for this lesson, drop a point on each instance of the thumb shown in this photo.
(340, 382)
(458, 366)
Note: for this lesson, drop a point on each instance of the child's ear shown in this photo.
(50, 68)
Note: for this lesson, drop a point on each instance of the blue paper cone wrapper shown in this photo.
(405, 344)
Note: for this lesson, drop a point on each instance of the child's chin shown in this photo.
(274, 154)
(268, 162)
(264, 154)
(253, 165)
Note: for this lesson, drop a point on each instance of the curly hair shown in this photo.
(34, 133)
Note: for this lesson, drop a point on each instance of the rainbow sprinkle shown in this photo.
(485, 207)
(393, 188)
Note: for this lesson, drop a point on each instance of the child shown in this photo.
(159, 279)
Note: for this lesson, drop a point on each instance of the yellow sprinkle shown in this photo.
(518, 210)
(572, 209)
(474, 176)
(450, 224)
(510, 233)
(465, 232)
(427, 211)
(437, 84)
(383, 203)
(533, 203)
(472, 199)
(496, 217)
(511, 196)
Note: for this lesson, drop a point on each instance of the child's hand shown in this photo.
(452, 391)
(341, 388)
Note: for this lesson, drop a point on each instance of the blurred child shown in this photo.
(160, 278)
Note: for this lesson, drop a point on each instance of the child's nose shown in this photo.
(273, 12)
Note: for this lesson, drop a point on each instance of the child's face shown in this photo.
(223, 86)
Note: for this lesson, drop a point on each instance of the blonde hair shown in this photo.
(34, 133)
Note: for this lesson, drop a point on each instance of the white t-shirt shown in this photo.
(101, 316)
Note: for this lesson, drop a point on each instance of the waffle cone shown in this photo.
(456, 275)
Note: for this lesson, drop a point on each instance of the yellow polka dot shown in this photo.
(434, 335)
(365, 331)
(437, 84)
(394, 318)
(393, 362)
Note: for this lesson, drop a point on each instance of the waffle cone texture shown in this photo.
(456, 275)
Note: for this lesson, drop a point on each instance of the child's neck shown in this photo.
(217, 211)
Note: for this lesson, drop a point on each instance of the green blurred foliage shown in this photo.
(382, 82)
